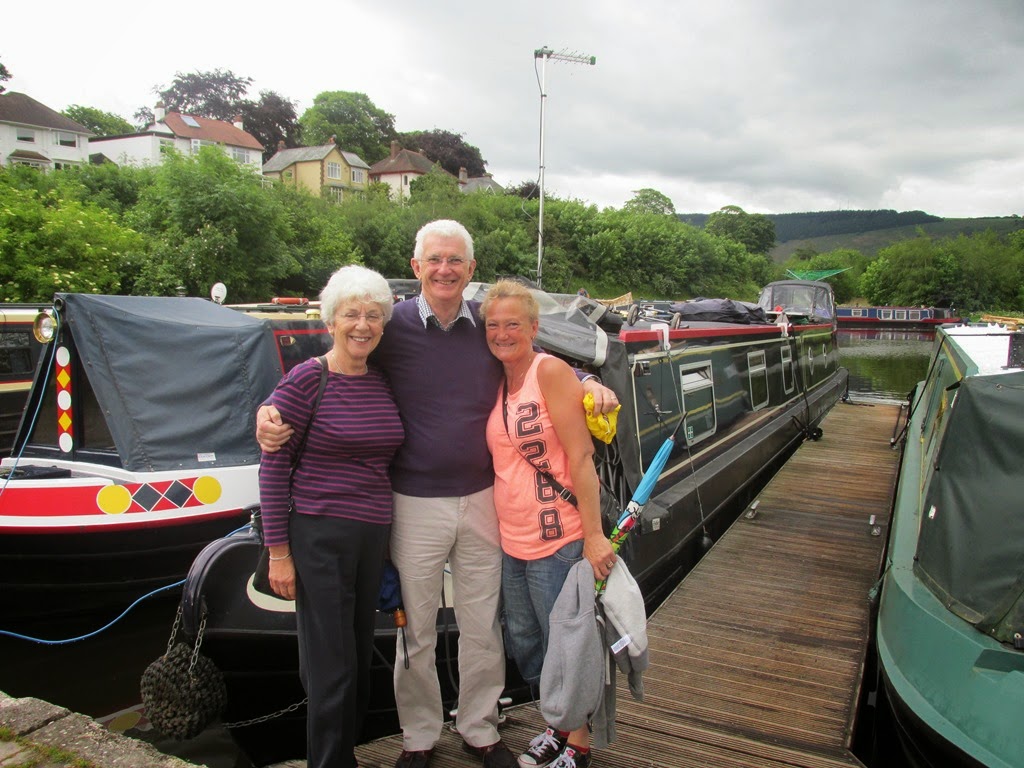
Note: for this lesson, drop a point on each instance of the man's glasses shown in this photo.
(373, 318)
(452, 261)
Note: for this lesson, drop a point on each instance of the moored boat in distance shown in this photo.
(950, 627)
(135, 450)
(909, 317)
(745, 388)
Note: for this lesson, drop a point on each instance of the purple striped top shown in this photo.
(344, 468)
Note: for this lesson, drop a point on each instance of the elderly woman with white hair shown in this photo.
(327, 523)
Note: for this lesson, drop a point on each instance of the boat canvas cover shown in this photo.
(804, 297)
(178, 379)
(720, 311)
(972, 525)
(573, 335)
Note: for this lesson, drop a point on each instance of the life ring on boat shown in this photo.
(296, 300)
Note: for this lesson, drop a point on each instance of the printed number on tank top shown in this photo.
(527, 425)
(550, 525)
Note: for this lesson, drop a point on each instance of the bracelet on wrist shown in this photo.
(282, 557)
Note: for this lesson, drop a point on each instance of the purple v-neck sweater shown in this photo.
(444, 383)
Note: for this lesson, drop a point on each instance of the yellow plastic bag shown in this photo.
(602, 425)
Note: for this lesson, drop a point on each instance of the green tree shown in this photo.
(913, 273)
(846, 285)
(756, 232)
(99, 122)
(5, 75)
(216, 94)
(317, 237)
(525, 189)
(50, 244)
(382, 232)
(211, 220)
(355, 123)
(448, 149)
(437, 189)
(271, 120)
(649, 200)
(990, 274)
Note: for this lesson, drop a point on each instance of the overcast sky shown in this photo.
(777, 106)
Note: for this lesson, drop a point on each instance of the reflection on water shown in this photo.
(885, 364)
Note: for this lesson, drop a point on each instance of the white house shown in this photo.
(33, 134)
(184, 133)
(400, 169)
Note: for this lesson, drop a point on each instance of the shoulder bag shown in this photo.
(261, 576)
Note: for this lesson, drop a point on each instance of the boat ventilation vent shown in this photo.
(1015, 357)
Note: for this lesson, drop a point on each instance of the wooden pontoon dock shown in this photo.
(757, 656)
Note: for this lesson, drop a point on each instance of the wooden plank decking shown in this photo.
(757, 656)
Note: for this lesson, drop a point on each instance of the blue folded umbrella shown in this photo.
(390, 598)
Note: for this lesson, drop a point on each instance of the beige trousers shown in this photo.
(462, 531)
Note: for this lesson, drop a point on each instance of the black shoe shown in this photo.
(570, 758)
(414, 759)
(543, 749)
(497, 755)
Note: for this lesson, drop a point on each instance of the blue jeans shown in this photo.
(529, 589)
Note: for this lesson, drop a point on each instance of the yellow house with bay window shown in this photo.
(323, 170)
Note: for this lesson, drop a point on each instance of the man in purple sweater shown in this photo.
(445, 381)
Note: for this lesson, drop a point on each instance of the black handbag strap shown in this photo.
(312, 415)
(563, 492)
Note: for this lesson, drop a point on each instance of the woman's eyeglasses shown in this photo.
(373, 318)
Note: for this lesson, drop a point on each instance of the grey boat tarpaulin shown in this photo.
(972, 523)
(178, 380)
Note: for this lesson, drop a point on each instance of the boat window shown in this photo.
(901, 314)
(857, 313)
(93, 433)
(937, 404)
(88, 425)
(301, 343)
(885, 314)
(915, 314)
(44, 429)
(787, 369)
(696, 385)
(757, 373)
(15, 354)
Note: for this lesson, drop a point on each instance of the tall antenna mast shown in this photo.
(545, 54)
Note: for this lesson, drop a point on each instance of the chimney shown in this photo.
(280, 145)
(238, 122)
(395, 149)
(160, 112)
(463, 175)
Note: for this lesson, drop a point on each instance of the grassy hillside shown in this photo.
(870, 242)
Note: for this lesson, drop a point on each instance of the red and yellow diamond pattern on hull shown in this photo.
(65, 435)
(180, 493)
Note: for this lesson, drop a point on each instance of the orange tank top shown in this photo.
(533, 519)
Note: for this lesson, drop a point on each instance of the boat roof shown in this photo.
(988, 346)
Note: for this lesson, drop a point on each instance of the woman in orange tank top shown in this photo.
(546, 493)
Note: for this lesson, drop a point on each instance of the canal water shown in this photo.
(100, 676)
(885, 364)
